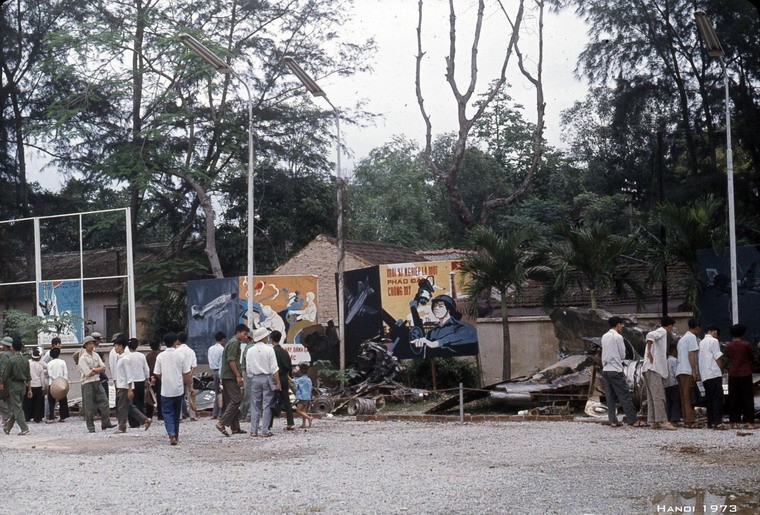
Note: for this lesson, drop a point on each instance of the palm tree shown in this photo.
(688, 228)
(502, 263)
(589, 255)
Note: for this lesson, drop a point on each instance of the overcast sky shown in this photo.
(389, 89)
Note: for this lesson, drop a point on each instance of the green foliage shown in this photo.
(331, 376)
(591, 256)
(392, 198)
(449, 373)
(28, 327)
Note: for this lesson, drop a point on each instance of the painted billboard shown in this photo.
(288, 304)
(413, 305)
(60, 304)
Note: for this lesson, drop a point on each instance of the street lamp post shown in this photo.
(222, 67)
(714, 49)
(311, 85)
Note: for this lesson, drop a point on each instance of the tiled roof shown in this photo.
(376, 253)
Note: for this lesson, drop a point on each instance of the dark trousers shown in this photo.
(150, 410)
(741, 401)
(63, 408)
(125, 409)
(232, 399)
(673, 403)
(714, 400)
(616, 391)
(171, 409)
(34, 408)
(138, 401)
(217, 382)
(285, 398)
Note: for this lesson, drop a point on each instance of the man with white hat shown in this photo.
(261, 367)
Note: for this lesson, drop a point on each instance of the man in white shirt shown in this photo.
(55, 343)
(57, 368)
(615, 385)
(174, 372)
(261, 367)
(189, 355)
(140, 372)
(655, 371)
(93, 396)
(125, 388)
(686, 371)
(215, 364)
(711, 371)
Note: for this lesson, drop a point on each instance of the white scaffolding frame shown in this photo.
(38, 279)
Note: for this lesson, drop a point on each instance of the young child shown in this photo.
(672, 393)
(303, 394)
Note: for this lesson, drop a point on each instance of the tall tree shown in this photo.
(450, 175)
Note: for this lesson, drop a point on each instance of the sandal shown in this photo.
(221, 429)
(639, 423)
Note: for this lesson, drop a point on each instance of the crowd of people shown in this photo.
(671, 374)
(157, 383)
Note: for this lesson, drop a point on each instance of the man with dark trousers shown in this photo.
(232, 381)
(286, 371)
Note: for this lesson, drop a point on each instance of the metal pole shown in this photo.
(131, 309)
(731, 215)
(37, 265)
(341, 244)
(249, 278)
(461, 402)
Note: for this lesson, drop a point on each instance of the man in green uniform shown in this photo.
(232, 380)
(18, 377)
(5, 403)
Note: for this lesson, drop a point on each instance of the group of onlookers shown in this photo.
(671, 376)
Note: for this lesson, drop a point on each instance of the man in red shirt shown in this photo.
(740, 391)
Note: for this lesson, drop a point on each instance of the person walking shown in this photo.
(155, 383)
(17, 378)
(140, 373)
(214, 356)
(188, 404)
(173, 370)
(711, 363)
(285, 371)
(124, 382)
(615, 385)
(302, 383)
(655, 370)
(93, 393)
(232, 381)
(6, 351)
(741, 408)
(265, 381)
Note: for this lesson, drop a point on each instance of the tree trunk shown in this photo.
(593, 298)
(506, 369)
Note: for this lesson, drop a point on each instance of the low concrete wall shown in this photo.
(534, 345)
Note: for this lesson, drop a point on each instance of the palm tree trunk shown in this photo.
(506, 369)
(593, 298)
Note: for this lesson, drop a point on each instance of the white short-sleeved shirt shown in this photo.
(709, 352)
(688, 343)
(659, 339)
(215, 356)
(57, 368)
(672, 366)
(613, 351)
(138, 364)
(170, 364)
(260, 359)
(188, 354)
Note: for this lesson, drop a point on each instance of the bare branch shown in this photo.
(427, 153)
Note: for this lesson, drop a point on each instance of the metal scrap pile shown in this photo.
(377, 367)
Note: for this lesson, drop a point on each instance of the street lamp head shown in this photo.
(204, 53)
(304, 77)
(706, 30)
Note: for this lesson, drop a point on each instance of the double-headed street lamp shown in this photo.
(222, 67)
(315, 90)
(714, 49)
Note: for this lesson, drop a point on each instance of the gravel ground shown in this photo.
(344, 466)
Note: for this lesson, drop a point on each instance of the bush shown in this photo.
(449, 373)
